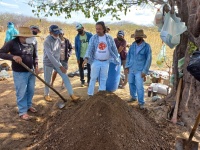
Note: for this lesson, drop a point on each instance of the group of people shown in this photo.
(95, 52)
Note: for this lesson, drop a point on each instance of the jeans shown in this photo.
(136, 86)
(81, 71)
(98, 69)
(25, 86)
(47, 78)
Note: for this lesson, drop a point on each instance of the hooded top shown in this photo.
(11, 31)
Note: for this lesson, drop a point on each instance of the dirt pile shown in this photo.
(103, 122)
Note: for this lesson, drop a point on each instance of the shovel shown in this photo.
(183, 144)
(60, 105)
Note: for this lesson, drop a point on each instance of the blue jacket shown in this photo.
(78, 44)
(140, 61)
(92, 48)
(11, 31)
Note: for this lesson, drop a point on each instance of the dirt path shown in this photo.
(18, 134)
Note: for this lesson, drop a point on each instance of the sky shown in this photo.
(137, 15)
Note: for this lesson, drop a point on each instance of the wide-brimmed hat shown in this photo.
(138, 33)
(25, 32)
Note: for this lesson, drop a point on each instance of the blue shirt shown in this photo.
(139, 58)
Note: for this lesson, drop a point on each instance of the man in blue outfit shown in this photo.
(137, 66)
(81, 45)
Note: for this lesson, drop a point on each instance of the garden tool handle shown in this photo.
(27, 68)
(194, 128)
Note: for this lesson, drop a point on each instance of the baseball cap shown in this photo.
(79, 26)
(54, 29)
(120, 33)
(35, 27)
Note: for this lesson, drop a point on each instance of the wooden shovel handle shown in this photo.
(25, 66)
(194, 128)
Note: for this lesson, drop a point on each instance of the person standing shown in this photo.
(65, 53)
(121, 47)
(137, 66)
(101, 51)
(81, 45)
(10, 32)
(51, 60)
(18, 50)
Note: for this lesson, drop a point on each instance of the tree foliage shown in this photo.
(90, 8)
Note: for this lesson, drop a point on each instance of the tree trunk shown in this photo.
(189, 11)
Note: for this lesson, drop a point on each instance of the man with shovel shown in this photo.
(51, 60)
(19, 50)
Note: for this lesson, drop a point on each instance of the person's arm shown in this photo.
(49, 53)
(148, 60)
(69, 48)
(35, 58)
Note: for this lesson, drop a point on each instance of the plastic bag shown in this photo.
(161, 56)
(158, 20)
(172, 29)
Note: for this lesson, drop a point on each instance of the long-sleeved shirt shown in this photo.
(139, 60)
(27, 52)
(93, 46)
(52, 49)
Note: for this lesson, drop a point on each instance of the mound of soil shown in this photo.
(103, 122)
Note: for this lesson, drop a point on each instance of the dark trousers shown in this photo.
(81, 71)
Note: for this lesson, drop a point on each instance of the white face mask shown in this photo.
(30, 40)
(55, 37)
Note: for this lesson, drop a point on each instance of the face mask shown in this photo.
(54, 37)
(80, 32)
(120, 39)
(30, 40)
(34, 32)
(138, 41)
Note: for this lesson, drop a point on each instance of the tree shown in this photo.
(188, 11)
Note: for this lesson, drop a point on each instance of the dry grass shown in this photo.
(153, 38)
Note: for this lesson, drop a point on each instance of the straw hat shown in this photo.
(139, 33)
(25, 32)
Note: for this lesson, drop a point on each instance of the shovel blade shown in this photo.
(182, 144)
(61, 105)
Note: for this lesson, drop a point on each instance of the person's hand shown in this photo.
(126, 70)
(84, 62)
(36, 71)
(17, 59)
(143, 75)
(63, 69)
(120, 49)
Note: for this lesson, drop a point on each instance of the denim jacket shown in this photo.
(78, 44)
(92, 48)
(140, 61)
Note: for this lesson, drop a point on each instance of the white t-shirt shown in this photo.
(102, 52)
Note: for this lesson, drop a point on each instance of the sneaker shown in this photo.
(141, 106)
(132, 100)
(82, 84)
(48, 98)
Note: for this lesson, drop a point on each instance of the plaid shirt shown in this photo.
(93, 45)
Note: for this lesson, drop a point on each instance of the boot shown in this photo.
(74, 98)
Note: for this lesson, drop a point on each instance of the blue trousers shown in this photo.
(25, 87)
(136, 86)
(47, 76)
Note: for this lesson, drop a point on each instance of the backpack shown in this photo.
(194, 65)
